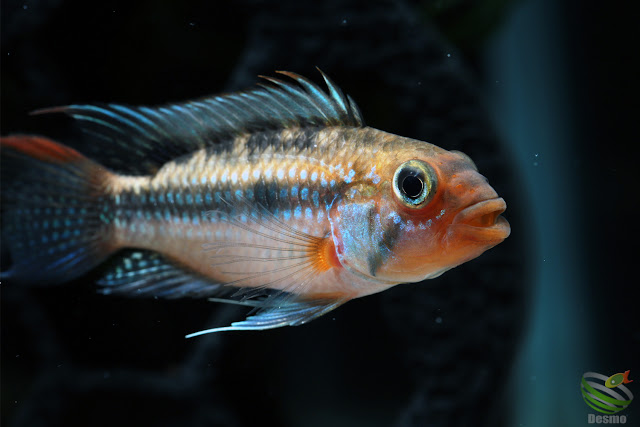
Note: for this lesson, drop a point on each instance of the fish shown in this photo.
(278, 198)
(617, 379)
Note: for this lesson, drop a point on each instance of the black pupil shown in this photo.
(412, 186)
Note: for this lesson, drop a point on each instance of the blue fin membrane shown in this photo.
(54, 220)
(146, 273)
(139, 140)
(279, 311)
(149, 274)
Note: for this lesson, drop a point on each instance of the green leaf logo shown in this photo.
(606, 394)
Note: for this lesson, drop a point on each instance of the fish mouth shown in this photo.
(482, 221)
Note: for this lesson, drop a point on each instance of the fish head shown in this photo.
(430, 211)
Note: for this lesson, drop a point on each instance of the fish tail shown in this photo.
(55, 220)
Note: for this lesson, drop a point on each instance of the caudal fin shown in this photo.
(55, 220)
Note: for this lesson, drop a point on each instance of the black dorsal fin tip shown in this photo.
(139, 140)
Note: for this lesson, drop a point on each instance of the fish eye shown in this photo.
(414, 183)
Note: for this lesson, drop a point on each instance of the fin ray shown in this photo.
(147, 273)
(275, 314)
(52, 210)
(139, 140)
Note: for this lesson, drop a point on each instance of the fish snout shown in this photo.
(482, 221)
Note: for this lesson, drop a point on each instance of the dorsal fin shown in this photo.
(139, 140)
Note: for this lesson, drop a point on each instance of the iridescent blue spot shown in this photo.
(68, 222)
(70, 211)
(203, 180)
(143, 198)
(303, 174)
(332, 183)
(292, 172)
(316, 198)
(218, 198)
(294, 191)
(45, 239)
(283, 193)
(396, 218)
(314, 176)
(249, 193)
(185, 218)
(161, 198)
(55, 235)
(199, 199)
(308, 213)
(227, 195)
(56, 223)
(287, 215)
(194, 219)
(349, 177)
(188, 199)
(194, 180)
(147, 215)
(304, 194)
(179, 198)
(238, 194)
(298, 212)
(167, 215)
(208, 198)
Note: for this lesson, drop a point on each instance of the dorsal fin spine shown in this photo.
(139, 140)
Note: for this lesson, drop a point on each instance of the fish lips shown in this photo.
(482, 222)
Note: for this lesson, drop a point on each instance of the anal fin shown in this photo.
(149, 274)
(278, 311)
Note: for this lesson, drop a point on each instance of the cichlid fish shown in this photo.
(279, 198)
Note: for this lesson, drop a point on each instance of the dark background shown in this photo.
(447, 352)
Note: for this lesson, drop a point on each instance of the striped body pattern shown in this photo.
(278, 198)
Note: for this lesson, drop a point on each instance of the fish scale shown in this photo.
(278, 198)
(268, 174)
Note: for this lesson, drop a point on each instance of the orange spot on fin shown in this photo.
(40, 148)
(326, 255)
(625, 378)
